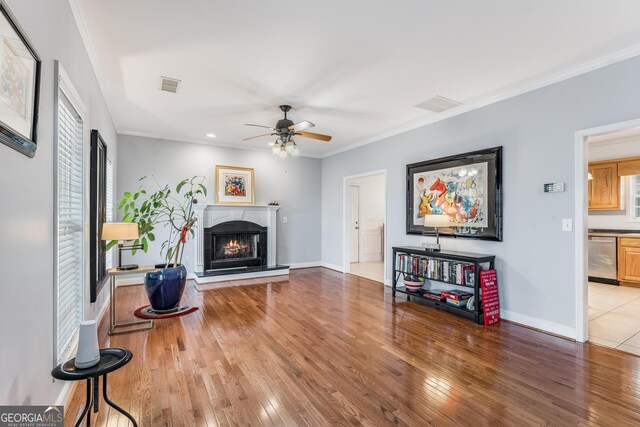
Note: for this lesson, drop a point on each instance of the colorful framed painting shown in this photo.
(19, 86)
(234, 185)
(466, 189)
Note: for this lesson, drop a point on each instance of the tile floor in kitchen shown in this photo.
(614, 316)
(373, 270)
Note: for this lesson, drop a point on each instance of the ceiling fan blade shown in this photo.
(301, 126)
(259, 136)
(312, 135)
(259, 126)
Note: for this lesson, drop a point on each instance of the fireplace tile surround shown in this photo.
(209, 216)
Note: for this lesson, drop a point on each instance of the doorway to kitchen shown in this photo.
(608, 236)
(364, 225)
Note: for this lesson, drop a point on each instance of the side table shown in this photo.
(110, 360)
(113, 324)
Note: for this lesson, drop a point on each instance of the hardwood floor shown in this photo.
(326, 348)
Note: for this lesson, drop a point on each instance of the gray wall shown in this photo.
(26, 211)
(535, 261)
(294, 182)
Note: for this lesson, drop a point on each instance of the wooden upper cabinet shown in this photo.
(629, 259)
(604, 188)
(629, 167)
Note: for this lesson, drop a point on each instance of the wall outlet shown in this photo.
(567, 224)
(285, 219)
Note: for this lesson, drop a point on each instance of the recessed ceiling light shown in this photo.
(211, 135)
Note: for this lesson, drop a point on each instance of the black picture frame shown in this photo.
(14, 61)
(492, 157)
(97, 215)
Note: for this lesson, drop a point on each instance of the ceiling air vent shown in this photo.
(438, 104)
(168, 84)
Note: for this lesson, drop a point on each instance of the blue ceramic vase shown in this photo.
(165, 286)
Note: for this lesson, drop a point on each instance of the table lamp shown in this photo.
(436, 221)
(121, 231)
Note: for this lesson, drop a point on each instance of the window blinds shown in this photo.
(70, 224)
(109, 202)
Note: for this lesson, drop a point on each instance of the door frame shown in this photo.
(581, 224)
(350, 235)
(346, 264)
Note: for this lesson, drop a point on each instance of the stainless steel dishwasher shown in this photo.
(603, 259)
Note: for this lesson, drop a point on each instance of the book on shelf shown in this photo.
(456, 295)
(448, 271)
(434, 294)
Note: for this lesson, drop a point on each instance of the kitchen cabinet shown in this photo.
(604, 188)
(629, 259)
(630, 166)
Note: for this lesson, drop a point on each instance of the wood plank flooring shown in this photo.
(331, 349)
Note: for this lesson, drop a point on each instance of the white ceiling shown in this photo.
(355, 68)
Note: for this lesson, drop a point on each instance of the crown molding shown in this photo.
(83, 28)
(483, 101)
(480, 102)
(203, 142)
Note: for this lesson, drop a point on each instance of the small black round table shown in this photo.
(110, 360)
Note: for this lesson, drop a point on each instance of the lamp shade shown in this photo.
(442, 220)
(119, 231)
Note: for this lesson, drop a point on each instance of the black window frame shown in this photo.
(97, 215)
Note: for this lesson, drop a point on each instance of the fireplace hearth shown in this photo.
(235, 245)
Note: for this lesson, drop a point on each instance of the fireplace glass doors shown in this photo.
(235, 244)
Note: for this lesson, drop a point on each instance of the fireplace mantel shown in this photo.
(209, 215)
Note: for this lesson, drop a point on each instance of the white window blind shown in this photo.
(70, 224)
(109, 202)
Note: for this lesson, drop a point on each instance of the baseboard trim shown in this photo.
(539, 324)
(334, 267)
(297, 265)
(137, 279)
(67, 390)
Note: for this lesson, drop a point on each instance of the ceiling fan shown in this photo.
(285, 130)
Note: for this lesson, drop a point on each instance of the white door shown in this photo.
(354, 224)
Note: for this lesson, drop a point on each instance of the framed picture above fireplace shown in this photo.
(234, 185)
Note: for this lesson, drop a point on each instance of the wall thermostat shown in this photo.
(554, 187)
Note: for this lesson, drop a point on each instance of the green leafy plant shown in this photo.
(167, 207)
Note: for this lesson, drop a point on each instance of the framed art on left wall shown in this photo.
(234, 185)
(19, 86)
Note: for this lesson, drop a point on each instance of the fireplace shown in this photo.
(235, 245)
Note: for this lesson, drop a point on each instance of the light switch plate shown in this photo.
(567, 224)
(285, 219)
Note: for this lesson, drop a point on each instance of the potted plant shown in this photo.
(172, 209)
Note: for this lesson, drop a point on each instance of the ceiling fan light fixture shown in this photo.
(290, 146)
(296, 152)
(276, 148)
(283, 154)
